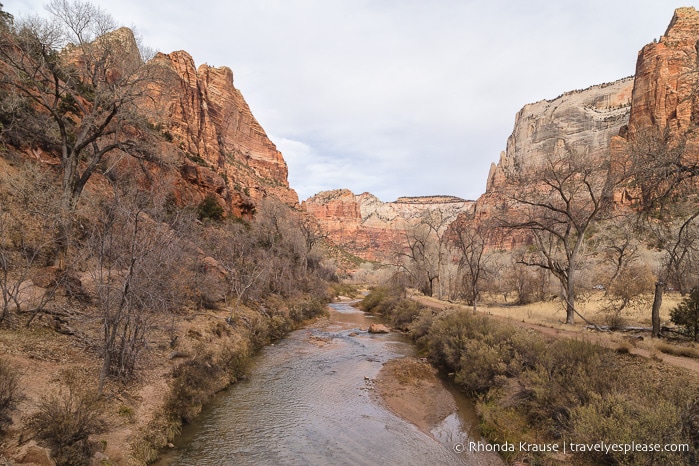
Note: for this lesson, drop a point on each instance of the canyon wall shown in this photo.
(225, 150)
(582, 122)
(665, 92)
(601, 120)
(665, 100)
(371, 229)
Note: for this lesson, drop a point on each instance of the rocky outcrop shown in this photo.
(190, 127)
(665, 91)
(371, 229)
(378, 328)
(601, 120)
(665, 104)
(582, 122)
(661, 99)
(206, 117)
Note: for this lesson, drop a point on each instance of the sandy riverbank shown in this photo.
(411, 389)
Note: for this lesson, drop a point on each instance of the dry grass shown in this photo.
(409, 371)
(552, 313)
(675, 350)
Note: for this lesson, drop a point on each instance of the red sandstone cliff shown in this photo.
(202, 138)
(225, 149)
(665, 91)
(369, 228)
(665, 100)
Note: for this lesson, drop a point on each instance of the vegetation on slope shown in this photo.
(123, 307)
(537, 390)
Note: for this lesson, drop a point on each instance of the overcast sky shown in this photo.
(396, 97)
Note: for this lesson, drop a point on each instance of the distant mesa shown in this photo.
(429, 200)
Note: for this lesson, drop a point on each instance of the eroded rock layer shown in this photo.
(226, 150)
(371, 229)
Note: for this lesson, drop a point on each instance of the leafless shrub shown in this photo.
(134, 261)
(9, 393)
(65, 422)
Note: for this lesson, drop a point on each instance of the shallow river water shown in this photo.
(309, 401)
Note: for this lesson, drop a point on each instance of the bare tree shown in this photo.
(622, 275)
(77, 86)
(529, 285)
(312, 235)
(134, 263)
(660, 172)
(471, 240)
(682, 258)
(426, 250)
(28, 218)
(244, 264)
(420, 255)
(557, 205)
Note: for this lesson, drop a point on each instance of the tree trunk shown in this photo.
(655, 313)
(570, 301)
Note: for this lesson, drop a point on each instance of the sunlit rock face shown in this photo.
(665, 100)
(226, 151)
(665, 91)
(371, 229)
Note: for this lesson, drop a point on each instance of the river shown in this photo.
(309, 401)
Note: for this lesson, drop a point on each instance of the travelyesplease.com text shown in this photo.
(570, 447)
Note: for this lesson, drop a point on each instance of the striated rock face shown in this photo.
(369, 228)
(665, 91)
(226, 149)
(207, 131)
(663, 96)
(665, 99)
(581, 121)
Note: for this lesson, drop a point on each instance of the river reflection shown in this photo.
(309, 401)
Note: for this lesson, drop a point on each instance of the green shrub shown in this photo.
(307, 308)
(381, 299)
(194, 382)
(619, 419)
(686, 315)
(420, 326)
(343, 289)
(209, 208)
(567, 375)
(403, 313)
(533, 389)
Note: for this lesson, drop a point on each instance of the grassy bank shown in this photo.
(533, 389)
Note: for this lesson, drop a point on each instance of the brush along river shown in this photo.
(311, 399)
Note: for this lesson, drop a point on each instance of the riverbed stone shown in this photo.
(378, 328)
